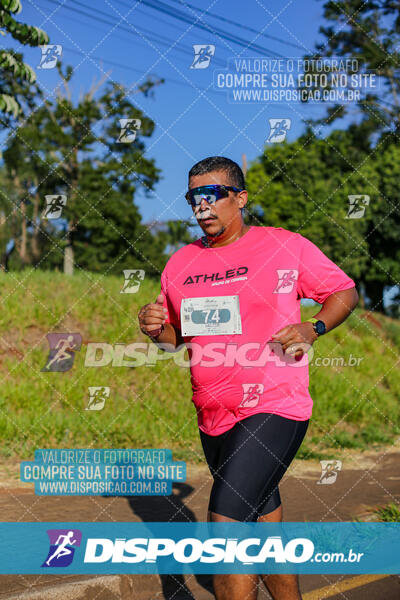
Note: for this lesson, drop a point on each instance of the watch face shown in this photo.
(320, 327)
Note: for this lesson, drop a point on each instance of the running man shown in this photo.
(54, 208)
(280, 128)
(62, 550)
(64, 348)
(240, 285)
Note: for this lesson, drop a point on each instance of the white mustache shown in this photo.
(205, 216)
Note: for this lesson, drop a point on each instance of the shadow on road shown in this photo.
(170, 509)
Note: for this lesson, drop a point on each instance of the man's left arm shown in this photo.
(337, 308)
(334, 311)
(321, 280)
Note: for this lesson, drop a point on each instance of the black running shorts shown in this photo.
(248, 461)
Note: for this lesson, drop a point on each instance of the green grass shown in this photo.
(150, 406)
(389, 513)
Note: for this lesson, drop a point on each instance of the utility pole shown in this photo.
(244, 164)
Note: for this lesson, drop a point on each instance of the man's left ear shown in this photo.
(243, 202)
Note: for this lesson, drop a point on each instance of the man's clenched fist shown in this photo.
(152, 317)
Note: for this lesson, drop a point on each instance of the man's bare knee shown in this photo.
(217, 518)
(274, 516)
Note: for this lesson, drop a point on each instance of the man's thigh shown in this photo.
(252, 461)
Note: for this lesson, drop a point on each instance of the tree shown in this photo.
(304, 186)
(383, 231)
(370, 33)
(16, 77)
(71, 149)
(179, 234)
(10, 223)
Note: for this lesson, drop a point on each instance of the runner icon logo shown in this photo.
(202, 55)
(129, 129)
(97, 397)
(62, 351)
(357, 206)
(286, 280)
(330, 470)
(54, 205)
(62, 547)
(50, 55)
(133, 278)
(251, 394)
(278, 130)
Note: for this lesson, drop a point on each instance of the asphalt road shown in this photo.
(366, 481)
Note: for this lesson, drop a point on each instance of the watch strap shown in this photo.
(313, 320)
(155, 332)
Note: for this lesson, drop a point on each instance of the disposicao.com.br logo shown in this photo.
(156, 547)
(190, 550)
(184, 551)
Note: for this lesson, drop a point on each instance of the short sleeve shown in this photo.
(319, 277)
(171, 317)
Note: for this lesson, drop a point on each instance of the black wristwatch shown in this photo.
(319, 326)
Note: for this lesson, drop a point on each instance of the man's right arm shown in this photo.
(152, 322)
(169, 335)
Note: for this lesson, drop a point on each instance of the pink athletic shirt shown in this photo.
(237, 375)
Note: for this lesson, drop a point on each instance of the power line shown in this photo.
(130, 31)
(236, 24)
(158, 39)
(128, 68)
(102, 29)
(181, 16)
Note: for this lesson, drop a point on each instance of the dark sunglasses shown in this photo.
(210, 193)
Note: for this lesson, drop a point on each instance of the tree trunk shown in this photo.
(374, 291)
(69, 253)
(35, 233)
(4, 259)
(361, 295)
(71, 225)
(22, 249)
(20, 207)
(69, 260)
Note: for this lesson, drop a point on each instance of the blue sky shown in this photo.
(126, 40)
(192, 119)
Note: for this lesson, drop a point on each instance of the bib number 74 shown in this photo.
(214, 317)
(211, 315)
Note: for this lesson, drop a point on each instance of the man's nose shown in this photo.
(204, 204)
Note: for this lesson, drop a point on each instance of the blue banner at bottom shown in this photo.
(172, 548)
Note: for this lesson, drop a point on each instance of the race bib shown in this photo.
(215, 315)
